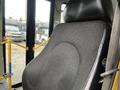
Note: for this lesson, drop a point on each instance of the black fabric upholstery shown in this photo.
(67, 60)
(119, 1)
(84, 10)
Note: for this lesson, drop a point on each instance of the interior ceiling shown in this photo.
(63, 1)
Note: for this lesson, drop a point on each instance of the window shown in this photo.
(15, 13)
(42, 23)
(11, 28)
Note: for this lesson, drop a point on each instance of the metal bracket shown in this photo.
(110, 72)
(7, 75)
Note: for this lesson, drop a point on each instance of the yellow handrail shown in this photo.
(9, 75)
(1, 77)
(9, 65)
(26, 48)
(7, 41)
(40, 44)
(116, 80)
(10, 42)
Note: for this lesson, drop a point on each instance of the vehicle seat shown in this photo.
(73, 56)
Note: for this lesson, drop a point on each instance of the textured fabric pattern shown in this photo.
(68, 58)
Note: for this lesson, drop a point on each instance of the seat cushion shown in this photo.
(67, 61)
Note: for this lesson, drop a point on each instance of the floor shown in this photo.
(3, 86)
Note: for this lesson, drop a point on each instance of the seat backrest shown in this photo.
(72, 58)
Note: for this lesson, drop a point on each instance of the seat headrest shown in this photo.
(86, 10)
(119, 2)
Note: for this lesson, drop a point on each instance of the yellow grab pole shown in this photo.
(116, 80)
(10, 66)
(9, 75)
(119, 77)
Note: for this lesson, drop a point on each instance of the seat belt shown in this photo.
(112, 52)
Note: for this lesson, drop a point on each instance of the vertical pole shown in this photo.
(1, 31)
(3, 35)
(30, 29)
(10, 66)
(51, 21)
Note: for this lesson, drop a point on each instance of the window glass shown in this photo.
(12, 28)
(42, 24)
(15, 18)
